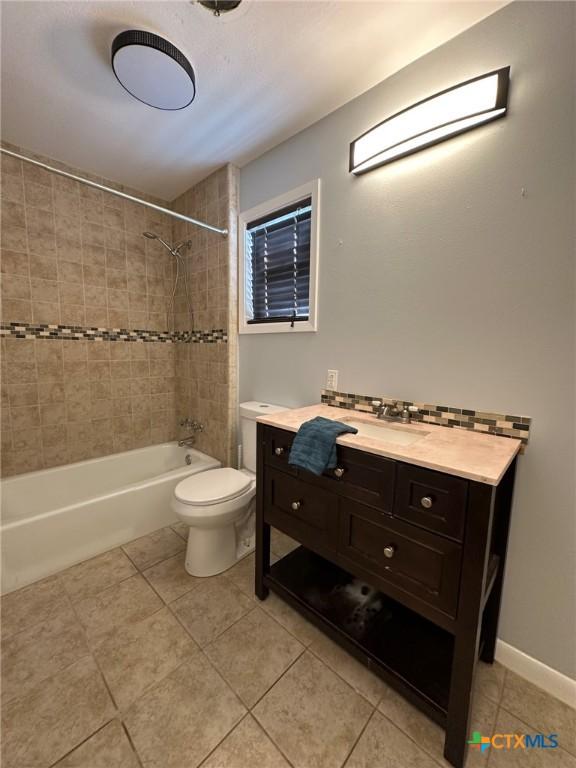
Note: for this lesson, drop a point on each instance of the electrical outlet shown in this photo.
(332, 380)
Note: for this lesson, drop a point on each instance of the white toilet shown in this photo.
(218, 505)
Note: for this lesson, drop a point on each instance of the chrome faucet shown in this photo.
(195, 426)
(394, 412)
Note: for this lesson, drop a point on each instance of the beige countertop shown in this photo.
(461, 452)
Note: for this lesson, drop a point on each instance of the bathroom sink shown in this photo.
(397, 434)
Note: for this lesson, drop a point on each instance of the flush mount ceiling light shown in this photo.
(153, 70)
(432, 120)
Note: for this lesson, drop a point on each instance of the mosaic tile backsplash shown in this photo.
(71, 333)
(503, 425)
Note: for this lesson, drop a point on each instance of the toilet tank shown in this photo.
(249, 412)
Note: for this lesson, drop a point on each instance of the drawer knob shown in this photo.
(389, 551)
(296, 505)
(338, 472)
(426, 502)
(278, 451)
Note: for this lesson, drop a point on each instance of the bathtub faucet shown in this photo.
(195, 426)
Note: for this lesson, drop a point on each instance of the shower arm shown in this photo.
(124, 195)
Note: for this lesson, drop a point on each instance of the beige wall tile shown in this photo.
(78, 257)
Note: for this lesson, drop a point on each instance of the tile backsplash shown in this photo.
(503, 425)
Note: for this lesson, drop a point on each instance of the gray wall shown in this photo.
(439, 282)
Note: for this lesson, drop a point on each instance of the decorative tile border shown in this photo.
(72, 332)
(503, 425)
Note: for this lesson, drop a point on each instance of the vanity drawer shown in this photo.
(360, 476)
(303, 511)
(431, 500)
(277, 445)
(417, 562)
(357, 475)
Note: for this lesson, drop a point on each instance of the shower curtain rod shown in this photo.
(133, 199)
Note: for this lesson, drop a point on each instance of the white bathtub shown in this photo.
(57, 517)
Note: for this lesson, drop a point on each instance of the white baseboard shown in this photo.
(550, 680)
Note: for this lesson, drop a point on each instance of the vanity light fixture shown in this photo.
(432, 120)
(153, 70)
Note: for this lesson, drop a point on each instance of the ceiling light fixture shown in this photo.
(153, 70)
(435, 119)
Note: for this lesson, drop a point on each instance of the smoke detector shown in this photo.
(218, 7)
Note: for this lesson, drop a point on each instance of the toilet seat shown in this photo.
(212, 487)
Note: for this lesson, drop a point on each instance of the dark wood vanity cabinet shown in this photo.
(401, 565)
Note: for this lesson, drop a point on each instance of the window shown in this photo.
(278, 263)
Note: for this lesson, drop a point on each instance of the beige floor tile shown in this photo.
(242, 575)
(109, 748)
(210, 608)
(37, 653)
(312, 715)
(382, 745)
(430, 736)
(280, 543)
(31, 605)
(252, 655)
(344, 664)
(182, 719)
(181, 529)
(135, 657)
(526, 758)
(122, 604)
(55, 717)
(149, 550)
(170, 579)
(490, 680)
(290, 619)
(538, 709)
(95, 575)
(246, 747)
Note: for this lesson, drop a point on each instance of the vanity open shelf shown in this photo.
(401, 564)
(408, 651)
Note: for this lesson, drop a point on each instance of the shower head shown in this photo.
(153, 236)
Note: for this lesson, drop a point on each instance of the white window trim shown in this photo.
(311, 189)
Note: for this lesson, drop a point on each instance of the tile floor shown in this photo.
(126, 661)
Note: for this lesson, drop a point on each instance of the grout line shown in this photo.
(353, 747)
(204, 760)
(130, 741)
(63, 757)
(439, 761)
(336, 672)
(92, 649)
(267, 691)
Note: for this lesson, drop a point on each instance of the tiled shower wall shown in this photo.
(206, 374)
(75, 256)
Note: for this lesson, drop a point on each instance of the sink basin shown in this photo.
(399, 435)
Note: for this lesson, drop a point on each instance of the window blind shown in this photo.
(278, 265)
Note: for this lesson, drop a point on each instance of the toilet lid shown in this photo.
(212, 487)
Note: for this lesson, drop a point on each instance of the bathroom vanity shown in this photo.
(403, 551)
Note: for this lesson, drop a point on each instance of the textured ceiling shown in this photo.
(265, 72)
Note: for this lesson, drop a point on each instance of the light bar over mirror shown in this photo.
(432, 120)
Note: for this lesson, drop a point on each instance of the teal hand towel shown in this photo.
(314, 447)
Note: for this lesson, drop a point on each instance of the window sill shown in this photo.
(307, 327)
